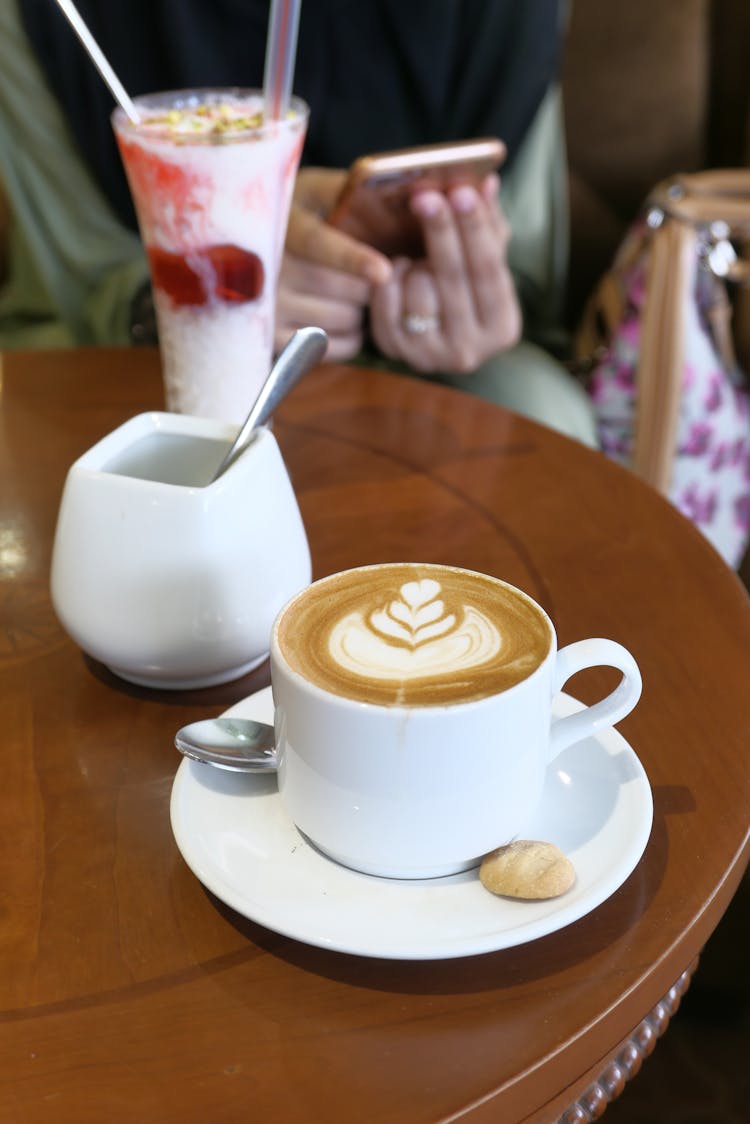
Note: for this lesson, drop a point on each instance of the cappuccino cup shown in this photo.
(413, 714)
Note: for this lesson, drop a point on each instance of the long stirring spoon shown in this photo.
(306, 348)
(99, 59)
(232, 743)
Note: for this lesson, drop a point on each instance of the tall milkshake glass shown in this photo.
(212, 185)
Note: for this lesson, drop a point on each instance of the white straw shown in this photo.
(76, 22)
(281, 50)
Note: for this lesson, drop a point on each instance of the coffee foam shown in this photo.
(413, 634)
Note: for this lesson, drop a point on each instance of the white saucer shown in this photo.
(236, 838)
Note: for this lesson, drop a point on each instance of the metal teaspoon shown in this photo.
(306, 348)
(232, 743)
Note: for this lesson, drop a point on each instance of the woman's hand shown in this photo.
(457, 307)
(326, 276)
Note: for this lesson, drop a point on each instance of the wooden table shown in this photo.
(127, 992)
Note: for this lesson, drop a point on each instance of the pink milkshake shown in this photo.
(212, 184)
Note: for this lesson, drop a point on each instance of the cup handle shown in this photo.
(593, 653)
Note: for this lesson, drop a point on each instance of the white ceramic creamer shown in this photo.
(169, 580)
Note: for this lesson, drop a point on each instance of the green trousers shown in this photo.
(531, 382)
(527, 380)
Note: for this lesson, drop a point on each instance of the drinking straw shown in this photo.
(97, 57)
(281, 49)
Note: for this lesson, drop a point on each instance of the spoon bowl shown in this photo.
(240, 744)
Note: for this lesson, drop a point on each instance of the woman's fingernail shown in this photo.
(427, 204)
(378, 271)
(491, 187)
(464, 199)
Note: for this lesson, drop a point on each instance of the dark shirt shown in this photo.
(377, 74)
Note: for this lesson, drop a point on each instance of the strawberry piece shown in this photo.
(234, 275)
(172, 274)
(239, 273)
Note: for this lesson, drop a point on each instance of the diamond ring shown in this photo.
(417, 325)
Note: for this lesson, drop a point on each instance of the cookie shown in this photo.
(527, 869)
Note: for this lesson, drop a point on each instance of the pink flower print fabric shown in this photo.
(711, 472)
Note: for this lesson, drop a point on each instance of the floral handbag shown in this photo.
(670, 399)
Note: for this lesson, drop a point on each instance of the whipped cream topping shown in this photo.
(413, 636)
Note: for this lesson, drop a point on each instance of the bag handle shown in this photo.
(716, 195)
(719, 195)
(717, 181)
(694, 200)
(659, 378)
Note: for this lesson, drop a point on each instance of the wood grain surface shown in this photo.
(129, 993)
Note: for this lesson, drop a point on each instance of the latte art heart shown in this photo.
(416, 617)
(413, 637)
(413, 634)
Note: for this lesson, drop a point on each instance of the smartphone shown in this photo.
(373, 205)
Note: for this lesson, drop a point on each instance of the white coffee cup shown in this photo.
(425, 786)
(168, 579)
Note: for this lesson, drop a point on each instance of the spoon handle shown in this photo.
(306, 348)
